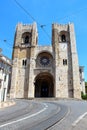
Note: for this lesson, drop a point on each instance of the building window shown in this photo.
(80, 71)
(24, 62)
(63, 38)
(64, 61)
(0, 84)
(5, 78)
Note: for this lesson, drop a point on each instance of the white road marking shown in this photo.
(79, 118)
(27, 117)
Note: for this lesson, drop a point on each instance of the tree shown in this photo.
(86, 86)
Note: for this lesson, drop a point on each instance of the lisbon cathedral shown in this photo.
(46, 71)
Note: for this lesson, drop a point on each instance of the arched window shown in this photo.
(27, 39)
(63, 38)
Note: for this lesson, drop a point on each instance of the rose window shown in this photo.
(44, 60)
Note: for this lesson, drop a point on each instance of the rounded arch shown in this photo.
(44, 85)
(44, 51)
(63, 36)
(63, 32)
(26, 37)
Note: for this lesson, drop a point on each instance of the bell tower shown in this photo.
(67, 81)
(25, 42)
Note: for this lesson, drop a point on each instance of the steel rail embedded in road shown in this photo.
(51, 121)
(42, 117)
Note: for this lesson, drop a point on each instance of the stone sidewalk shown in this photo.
(7, 104)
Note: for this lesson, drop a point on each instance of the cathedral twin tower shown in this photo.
(45, 71)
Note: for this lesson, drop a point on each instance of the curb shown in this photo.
(7, 104)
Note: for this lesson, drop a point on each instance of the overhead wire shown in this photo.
(74, 13)
(42, 26)
(24, 10)
(8, 46)
(29, 14)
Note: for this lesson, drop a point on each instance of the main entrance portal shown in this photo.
(44, 85)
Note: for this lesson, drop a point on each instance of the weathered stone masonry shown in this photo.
(45, 71)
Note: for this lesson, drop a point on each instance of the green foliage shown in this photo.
(84, 96)
(86, 84)
(86, 89)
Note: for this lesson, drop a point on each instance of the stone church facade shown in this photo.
(45, 71)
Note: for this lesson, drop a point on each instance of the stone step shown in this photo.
(49, 98)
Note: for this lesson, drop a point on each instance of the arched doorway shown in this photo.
(44, 86)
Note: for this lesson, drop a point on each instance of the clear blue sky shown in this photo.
(44, 12)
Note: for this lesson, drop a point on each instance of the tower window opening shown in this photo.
(27, 39)
(24, 62)
(64, 61)
(63, 38)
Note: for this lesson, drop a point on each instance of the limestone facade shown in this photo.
(45, 71)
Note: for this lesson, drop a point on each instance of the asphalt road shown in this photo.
(45, 115)
(31, 115)
(76, 118)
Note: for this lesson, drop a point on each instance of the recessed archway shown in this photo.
(44, 86)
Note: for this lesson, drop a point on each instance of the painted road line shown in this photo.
(79, 119)
(27, 117)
